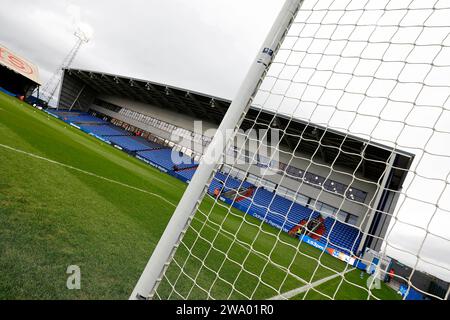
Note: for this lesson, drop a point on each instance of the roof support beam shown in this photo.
(205, 112)
(179, 100)
(146, 93)
(322, 152)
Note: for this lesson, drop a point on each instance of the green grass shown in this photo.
(351, 288)
(53, 216)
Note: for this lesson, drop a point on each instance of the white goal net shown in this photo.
(336, 186)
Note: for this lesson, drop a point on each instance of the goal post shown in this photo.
(188, 203)
(329, 176)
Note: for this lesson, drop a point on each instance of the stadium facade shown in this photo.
(18, 76)
(341, 178)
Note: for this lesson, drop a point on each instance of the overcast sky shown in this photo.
(202, 45)
(208, 45)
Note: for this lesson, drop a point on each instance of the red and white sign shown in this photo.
(18, 64)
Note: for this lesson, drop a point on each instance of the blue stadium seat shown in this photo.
(187, 174)
(105, 130)
(163, 158)
(133, 143)
(64, 112)
(230, 182)
(288, 214)
(341, 236)
(76, 116)
(83, 119)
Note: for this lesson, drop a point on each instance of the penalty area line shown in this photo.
(290, 294)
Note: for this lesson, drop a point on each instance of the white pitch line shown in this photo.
(294, 292)
(85, 172)
(134, 188)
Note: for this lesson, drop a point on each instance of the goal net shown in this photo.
(334, 183)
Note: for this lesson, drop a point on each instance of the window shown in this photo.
(253, 179)
(328, 210)
(225, 169)
(356, 194)
(301, 199)
(268, 185)
(291, 195)
(352, 219)
(239, 174)
(282, 191)
(342, 216)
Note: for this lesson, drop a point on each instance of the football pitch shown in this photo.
(67, 198)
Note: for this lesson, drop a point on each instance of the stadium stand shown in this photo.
(76, 117)
(280, 211)
(187, 174)
(163, 158)
(288, 214)
(227, 182)
(342, 235)
(89, 123)
(9, 93)
(133, 144)
(83, 118)
(104, 130)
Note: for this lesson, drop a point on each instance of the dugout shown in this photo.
(18, 76)
(359, 180)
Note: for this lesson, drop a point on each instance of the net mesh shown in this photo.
(358, 97)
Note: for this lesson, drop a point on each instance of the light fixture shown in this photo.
(275, 123)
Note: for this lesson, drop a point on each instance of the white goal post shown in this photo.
(188, 203)
(359, 94)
